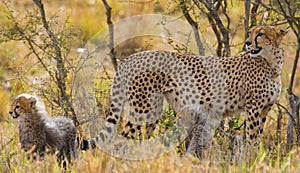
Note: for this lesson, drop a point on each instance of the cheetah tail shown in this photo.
(85, 144)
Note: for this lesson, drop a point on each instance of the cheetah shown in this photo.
(38, 132)
(223, 86)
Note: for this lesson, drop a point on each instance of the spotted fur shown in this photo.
(248, 82)
(38, 132)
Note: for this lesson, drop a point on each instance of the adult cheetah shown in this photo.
(223, 86)
(38, 132)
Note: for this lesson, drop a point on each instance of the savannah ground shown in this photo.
(19, 71)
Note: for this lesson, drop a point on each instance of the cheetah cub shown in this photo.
(38, 132)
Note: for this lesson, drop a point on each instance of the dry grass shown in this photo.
(270, 158)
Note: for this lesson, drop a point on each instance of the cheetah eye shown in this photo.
(17, 106)
(260, 34)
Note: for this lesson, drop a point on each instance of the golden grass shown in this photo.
(270, 158)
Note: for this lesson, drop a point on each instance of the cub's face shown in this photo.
(263, 39)
(22, 104)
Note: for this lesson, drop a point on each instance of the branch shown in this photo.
(286, 110)
(254, 9)
(62, 72)
(290, 89)
(293, 121)
(281, 12)
(211, 8)
(112, 53)
(226, 15)
(136, 2)
(287, 17)
(246, 20)
(194, 26)
(214, 28)
(45, 24)
(217, 33)
(30, 42)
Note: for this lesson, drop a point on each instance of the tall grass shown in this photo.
(270, 157)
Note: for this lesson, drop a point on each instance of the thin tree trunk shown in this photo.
(294, 101)
(111, 45)
(293, 121)
(246, 20)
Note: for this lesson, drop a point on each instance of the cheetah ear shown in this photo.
(32, 102)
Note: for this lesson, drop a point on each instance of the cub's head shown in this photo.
(22, 104)
(263, 40)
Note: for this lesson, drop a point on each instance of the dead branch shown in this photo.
(224, 10)
(217, 33)
(290, 89)
(294, 100)
(214, 28)
(279, 124)
(293, 121)
(61, 73)
(217, 20)
(194, 25)
(254, 10)
(246, 20)
(137, 2)
(112, 53)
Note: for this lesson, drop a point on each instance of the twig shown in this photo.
(281, 12)
(286, 110)
(29, 41)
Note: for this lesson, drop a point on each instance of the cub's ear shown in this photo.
(33, 102)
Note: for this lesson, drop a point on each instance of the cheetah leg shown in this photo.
(199, 139)
(193, 146)
(113, 118)
(156, 113)
(255, 123)
(202, 124)
(254, 126)
(263, 119)
(173, 100)
(142, 125)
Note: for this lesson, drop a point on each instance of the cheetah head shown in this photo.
(22, 104)
(263, 39)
